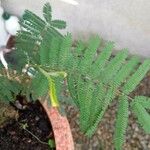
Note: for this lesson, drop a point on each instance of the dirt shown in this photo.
(30, 131)
(7, 112)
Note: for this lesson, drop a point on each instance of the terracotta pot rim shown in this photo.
(61, 128)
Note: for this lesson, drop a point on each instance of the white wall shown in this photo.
(127, 22)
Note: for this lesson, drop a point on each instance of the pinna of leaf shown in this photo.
(94, 79)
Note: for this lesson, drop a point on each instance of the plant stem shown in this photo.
(24, 127)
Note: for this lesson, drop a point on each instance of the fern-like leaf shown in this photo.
(121, 122)
(144, 101)
(65, 50)
(96, 109)
(102, 59)
(47, 12)
(141, 113)
(89, 53)
(9, 89)
(113, 66)
(36, 34)
(136, 77)
(39, 86)
(60, 24)
(125, 71)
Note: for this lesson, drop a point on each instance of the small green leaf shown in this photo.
(39, 86)
(141, 113)
(121, 122)
(60, 24)
(47, 12)
(51, 143)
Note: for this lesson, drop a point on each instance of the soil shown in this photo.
(31, 129)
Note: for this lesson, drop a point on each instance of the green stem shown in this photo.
(52, 86)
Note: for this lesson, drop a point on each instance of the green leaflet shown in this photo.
(26, 41)
(72, 86)
(125, 71)
(96, 109)
(134, 80)
(47, 12)
(82, 90)
(89, 53)
(142, 115)
(86, 90)
(144, 101)
(39, 86)
(44, 53)
(32, 20)
(17, 60)
(65, 50)
(9, 89)
(105, 102)
(101, 59)
(60, 24)
(121, 122)
(29, 25)
(79, 48)
(113, 66)
(53, 47)
(78, 54)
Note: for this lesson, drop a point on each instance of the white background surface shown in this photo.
(126, 22)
